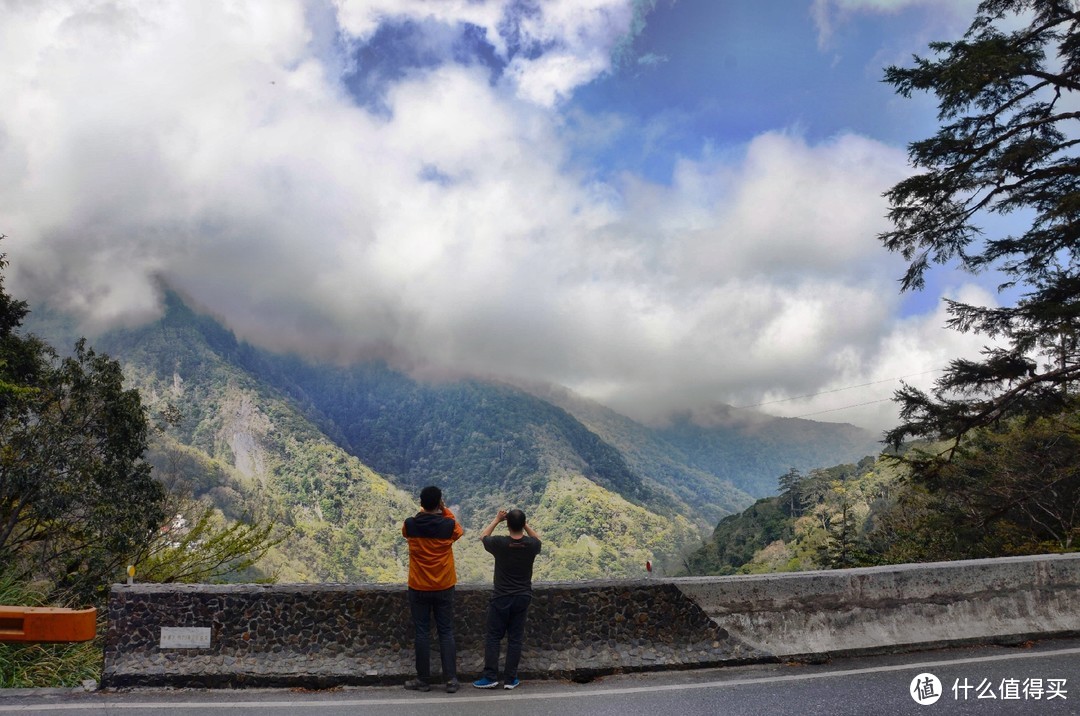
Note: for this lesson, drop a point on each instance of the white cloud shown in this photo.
(586, 31)
(210, 144)
(786, 207)
(560, 44)
(361, 18)
(913, 351)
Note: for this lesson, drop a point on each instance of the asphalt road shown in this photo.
(1042, 678)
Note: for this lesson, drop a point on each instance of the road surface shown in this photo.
(1040, 678)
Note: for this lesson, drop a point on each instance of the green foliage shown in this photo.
(1000, 478)
(346, 519)
(43, 665)
(76, 448)
(589, 533)
(204, 549)
(699, 494)
(469, 437)
(21, 358)
(843, 523)
(819, 521)
(69, 445)
(791, 493)
(1006, 145)
(1013, 489)
(738, 538)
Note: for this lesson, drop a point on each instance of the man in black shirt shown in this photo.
(514, 555)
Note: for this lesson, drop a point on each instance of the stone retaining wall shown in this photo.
(330, 634)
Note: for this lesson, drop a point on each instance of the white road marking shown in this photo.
(519, 696)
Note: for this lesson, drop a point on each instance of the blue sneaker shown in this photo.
(485, 683)
(512, 684)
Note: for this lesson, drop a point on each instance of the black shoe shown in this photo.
(417, 685)
(452, 686)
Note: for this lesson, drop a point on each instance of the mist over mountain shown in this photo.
(336, 454)
(713, 466)
(753, 452)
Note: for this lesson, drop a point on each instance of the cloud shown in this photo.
(214, 146)
(785, 207)
(913, 351)
(546, 50)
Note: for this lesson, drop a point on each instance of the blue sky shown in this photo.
(729, 70)
(666, 205)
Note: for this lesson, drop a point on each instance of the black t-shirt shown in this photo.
(513, 563)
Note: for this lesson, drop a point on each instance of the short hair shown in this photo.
(430, 497)
(515, 520)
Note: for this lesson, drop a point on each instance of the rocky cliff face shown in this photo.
(245, 429)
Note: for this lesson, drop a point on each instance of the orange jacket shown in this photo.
(431, 550)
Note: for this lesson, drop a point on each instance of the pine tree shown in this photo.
(1007, 145)
(790, 492)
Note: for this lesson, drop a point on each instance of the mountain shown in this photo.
(645, 450)
(753, 450)
(336, 454)
(826, 518)
(469, 436)
(250, 440)
(235, 442)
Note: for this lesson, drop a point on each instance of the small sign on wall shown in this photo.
(185, 638)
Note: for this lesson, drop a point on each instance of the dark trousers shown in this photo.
(441, 604)
(506, 616)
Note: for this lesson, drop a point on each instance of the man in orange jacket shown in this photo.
(431, 534)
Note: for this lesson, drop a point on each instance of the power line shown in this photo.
(837, 390)
(833, 410)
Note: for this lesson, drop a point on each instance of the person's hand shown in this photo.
(501, 516)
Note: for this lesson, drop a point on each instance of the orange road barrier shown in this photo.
(47, 624)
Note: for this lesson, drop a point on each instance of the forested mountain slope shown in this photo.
(648, 453)
(232, 440)
(264, 452)
(483, 442)
(1011, 489)
(335, 455)
(753, 450)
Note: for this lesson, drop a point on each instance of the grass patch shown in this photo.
(43, 665)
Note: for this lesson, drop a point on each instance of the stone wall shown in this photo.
(330, 634)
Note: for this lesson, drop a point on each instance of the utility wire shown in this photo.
(837, 390)
(833, 410)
